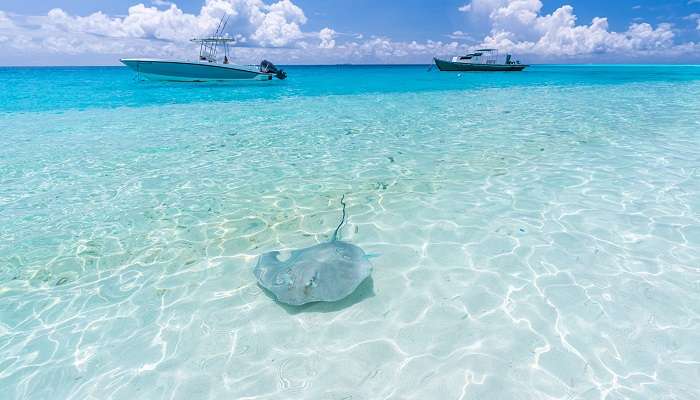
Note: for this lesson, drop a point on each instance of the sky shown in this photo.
(89, 32)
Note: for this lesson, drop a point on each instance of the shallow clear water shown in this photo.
(538, 234)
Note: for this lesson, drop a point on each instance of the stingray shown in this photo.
(324, 272)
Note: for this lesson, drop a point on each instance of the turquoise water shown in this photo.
(538, 234)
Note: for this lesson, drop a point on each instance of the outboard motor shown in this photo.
(269, 68)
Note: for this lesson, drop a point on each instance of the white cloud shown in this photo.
(519, 25)
(162, 3)
(153, 31)
(459, 35)
(694, 17)
(141, 22)
(274, 29)
(275, 24)
(326, 35)
(269, 30)
(482, 7)
(385, 50)
(5, 21)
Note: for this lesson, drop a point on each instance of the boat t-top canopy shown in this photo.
(213, 40)
(208, 46)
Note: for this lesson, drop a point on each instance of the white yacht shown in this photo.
(481, 60)
(208, 67)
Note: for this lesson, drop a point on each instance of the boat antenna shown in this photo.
(211, 47)
(219, 26)
(221, 34)
(223, 28)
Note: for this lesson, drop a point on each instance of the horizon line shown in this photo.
(355, 65)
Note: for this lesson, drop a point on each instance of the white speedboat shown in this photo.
(200, 71)
(481, 60)
(208, 67)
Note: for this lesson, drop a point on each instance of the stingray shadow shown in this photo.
(364, 291)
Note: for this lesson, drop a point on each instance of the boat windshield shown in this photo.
(481, 56)
(486, 56)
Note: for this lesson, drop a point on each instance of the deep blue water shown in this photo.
(63, 88)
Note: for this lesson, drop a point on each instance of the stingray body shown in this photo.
(323, 272)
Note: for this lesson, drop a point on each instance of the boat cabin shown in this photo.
(485, 56)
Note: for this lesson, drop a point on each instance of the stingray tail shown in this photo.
(342, 220)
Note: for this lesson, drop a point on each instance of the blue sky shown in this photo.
(315, 31)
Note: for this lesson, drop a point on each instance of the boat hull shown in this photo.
(444, 65)
(188, 71)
